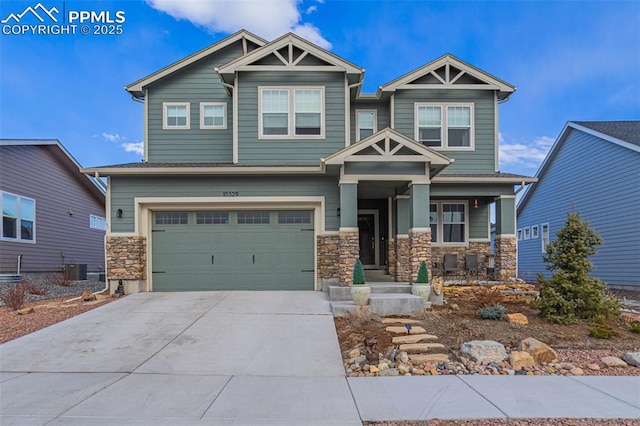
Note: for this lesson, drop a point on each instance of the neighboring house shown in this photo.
(266, 168)
(52, 214)
(593, 168)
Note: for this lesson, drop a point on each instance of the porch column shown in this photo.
(349, 240)
(506, 244)
(403, 268)
(419, 229)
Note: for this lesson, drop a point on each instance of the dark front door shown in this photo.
(366, 227)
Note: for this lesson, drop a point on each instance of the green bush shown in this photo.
(358, 273)
(600, 332)
(634, 327)
(423, 274)
(495, 312)
(571, 294)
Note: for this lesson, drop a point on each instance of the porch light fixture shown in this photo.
(338, 212)
(119, 213)
(475, 203)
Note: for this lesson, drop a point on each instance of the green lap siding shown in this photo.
(233, 256)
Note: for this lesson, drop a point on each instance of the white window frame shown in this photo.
(519, 233)
(526, 233)
(444, 127)
(97, 222)
(545, 239)
(375, 121)
(535, 231)
(440, 224)
(165, 124)
(291, 118)
(18, 238)
(203, 105)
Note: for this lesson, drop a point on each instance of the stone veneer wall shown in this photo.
(328, 259)
(482, 249)
(419, 251)
(348, 252)
(126, 258)
(403, 267)
(506, 250)
(391, 257)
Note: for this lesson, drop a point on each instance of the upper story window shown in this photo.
(291, 112)
(175, 115)
(18, 218)
(447, 126)
(213, 115)
(365, 123)
(97, 222)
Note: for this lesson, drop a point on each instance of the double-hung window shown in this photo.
(18, 218)
(365, 124)
(175, 115)
(291, 112)
(213, 115)
(545, 237)
(97, 222)
(447, 126)
(449, 222)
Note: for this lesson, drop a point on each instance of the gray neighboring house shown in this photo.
(52, 214)
(265, 167)
(594, 167)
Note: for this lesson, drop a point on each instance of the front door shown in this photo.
(367, 228)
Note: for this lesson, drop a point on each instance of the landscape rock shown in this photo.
(399, 321)
(484, 351)
(26, 311)
(87, 296)
(403, 330)
(354, 353)
(383, 366)
(593, 367)
(402, 357)
(612, 361)
(389, 372)
(413, 338)
(373, 369)
(421, 347)
(576, 371)
(541, 352)
(632, 358)
(521, 359)
(517, 318)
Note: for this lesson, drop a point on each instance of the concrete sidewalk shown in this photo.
(251, 358)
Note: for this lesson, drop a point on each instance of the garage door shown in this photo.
(233, 250)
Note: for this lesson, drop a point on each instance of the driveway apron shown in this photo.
(182, 358)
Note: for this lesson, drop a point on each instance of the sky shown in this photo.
(570, 60)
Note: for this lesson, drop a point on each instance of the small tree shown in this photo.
(358, 273)
(423, 274)
(571, 294)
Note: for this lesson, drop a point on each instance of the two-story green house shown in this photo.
(265, 167)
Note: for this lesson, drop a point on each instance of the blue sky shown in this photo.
(570, 61)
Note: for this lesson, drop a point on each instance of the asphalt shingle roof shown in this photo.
(628, 131)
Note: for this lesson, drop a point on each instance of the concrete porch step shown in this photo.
(337, 293)
(383, 305)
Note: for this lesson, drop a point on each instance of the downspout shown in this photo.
(137, 99)
(522, 186)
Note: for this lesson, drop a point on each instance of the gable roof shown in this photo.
(135, 88)
(289, 62)
(451, 72)
(389, 145)
(60, 153)
(622, 133)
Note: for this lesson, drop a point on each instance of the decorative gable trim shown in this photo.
(449, 72)
(387, 146)
(290, 53)
(244, 36)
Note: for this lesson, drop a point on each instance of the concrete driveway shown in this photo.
(182, 358)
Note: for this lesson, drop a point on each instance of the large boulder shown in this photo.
(484, 351)
(632, 358)
(612, 361)
(520, 360)
(541, 352)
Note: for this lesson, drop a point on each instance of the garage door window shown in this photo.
(294, 217)
(171, 218)
(253, 217)
(212, 218)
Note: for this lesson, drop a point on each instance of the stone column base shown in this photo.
(419, 251)
(506, 257)
(403, 266)
(127, 261)
(327, 267)
(348, 252)
(391, 257)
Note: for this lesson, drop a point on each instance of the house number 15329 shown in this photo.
(230, 193)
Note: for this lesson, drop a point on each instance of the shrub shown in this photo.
(600, 332)
(571, 294)
(495, 312)
(634, 327)
(423, 274)
(36, 288)
(14, 296)
(59, 278)
(489, 297)
(358, 273)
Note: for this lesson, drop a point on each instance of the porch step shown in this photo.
(337, 293)
(396, 304)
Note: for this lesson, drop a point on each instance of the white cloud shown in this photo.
(528, 155)
(111, 137)
(311, 9)
(269, 18)
(135, 147)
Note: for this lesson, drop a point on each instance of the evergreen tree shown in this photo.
(571, 294)
(358, 273)
(423, 274)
